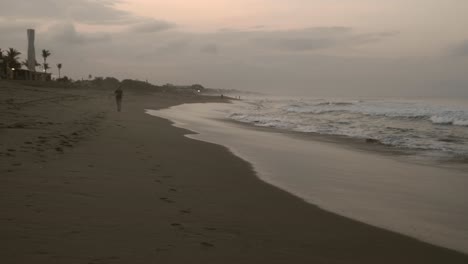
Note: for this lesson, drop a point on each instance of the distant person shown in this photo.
(118, 98)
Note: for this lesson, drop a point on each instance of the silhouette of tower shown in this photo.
(31, 51)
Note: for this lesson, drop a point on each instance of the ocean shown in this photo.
(311, 148)
(426, 127)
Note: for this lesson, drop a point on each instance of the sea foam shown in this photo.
(410, 124)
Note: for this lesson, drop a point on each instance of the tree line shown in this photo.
(10, 60)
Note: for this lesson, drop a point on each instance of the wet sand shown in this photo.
(90, 185)
(423, 201)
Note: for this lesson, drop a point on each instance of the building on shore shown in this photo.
(22, 74)
(31, 62)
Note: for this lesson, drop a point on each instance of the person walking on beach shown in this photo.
(118, 98)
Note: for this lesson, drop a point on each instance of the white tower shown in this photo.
(31, 51)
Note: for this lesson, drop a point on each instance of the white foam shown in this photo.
(450, 119)
(402, 124)
(428, 203)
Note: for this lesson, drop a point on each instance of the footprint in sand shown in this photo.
(167, 200)
(164, 248)
(103, 260)
(206, 244)
(65, 143)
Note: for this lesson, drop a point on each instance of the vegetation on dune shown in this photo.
(9, 59)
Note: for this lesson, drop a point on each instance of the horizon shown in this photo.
(301, 48)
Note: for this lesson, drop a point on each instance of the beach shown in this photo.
(83, 183)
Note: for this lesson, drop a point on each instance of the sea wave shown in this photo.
(335, 103)
(449, 120)
(436, 115)
(412, 125)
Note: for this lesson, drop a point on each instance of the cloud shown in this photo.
(209, 48)
(460, 49)
(99, 12)
(297, 44)
(152, 26)
(81, 11)
(306, 60)
(311, 39)
(169, 49)
(67, 34)
(360, 39)
(173, 47)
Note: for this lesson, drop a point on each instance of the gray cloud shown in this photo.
(82, 11)
(296, 44)
(66, 34)
(175, 46)
(311, 39)
(170, 49)
(371, 37)
(209, 48)
(9, 27)
(460, 49)
(305, 61)
(152, 26)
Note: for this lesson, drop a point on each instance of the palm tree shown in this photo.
(45, 54)
(45, 66)
(25, 63)
(59, 66)
(2, 64)
(12, 57)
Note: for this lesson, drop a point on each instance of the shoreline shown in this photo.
(134, 189)
(411, 156)
(398, 136)
(321, 172)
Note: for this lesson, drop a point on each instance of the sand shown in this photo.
(81, 183)
(425, 201)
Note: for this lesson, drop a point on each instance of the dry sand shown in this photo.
(81, 183)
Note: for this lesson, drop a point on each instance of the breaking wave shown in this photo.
(403, 124)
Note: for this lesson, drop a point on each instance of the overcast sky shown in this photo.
(293, 47)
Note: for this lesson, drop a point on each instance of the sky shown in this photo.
(294, 47)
